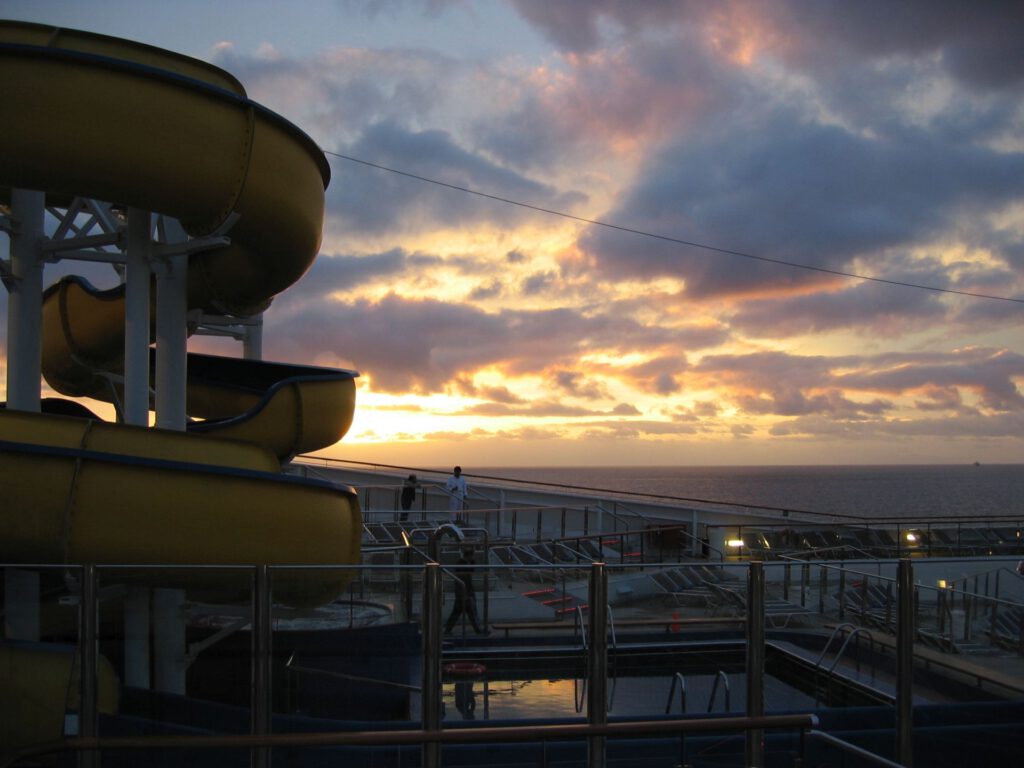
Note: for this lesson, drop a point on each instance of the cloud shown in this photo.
(369, 200)
(334, 94)
(659, 375)
(850, 388)
(978, 43)
(795, 191)
(576, 384)
(576, 25)
(969, 427)
(538, 409)
(406, 344)
(343, 273)
(990, 373)
(888, 310)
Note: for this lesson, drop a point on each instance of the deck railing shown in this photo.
(397, 593)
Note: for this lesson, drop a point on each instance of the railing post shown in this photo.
(431, 704)
(905, 664)
(822, 587)
(87, 648)
(597, 663)
(842, 594)
(755, 661)
(993, 621)
(261, 662)
(406, 581)
(888, 606)
(805, 578)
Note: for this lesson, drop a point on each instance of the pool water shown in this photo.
(628, 696)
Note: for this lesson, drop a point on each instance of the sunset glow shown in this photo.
(492, 333)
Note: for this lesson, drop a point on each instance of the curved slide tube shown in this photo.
(41, 684)
(99, 117)
(94, 116)
(79, 491)
(290, 409)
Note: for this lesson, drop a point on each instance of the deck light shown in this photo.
(734, 543)
(911, 537)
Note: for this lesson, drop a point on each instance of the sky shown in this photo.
(874, 139)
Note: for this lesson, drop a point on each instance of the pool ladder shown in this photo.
(854, 631)
(679, 682)
(580, 691)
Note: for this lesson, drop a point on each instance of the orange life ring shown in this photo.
(464, 669)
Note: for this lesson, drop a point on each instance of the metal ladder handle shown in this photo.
(828, 643)
(580, 692)
(720, 677)
(680, 681)
(613, 649)
(842, 648)
(579, 625)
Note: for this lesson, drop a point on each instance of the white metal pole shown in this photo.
(171, 343)
(136, 637)
(136, 319)
(252, 344)
(25, 302)
(169, 640)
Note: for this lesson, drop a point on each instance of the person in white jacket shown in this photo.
(456, 488)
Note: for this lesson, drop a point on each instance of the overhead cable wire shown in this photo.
(669, 239)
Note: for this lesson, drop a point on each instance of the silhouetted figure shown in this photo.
(408, 496)
(465, 700)
(465, 595)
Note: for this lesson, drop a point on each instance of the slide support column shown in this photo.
(252, 343)
(171, 342)
(25, 301)
(136, 319)
(169, 640)
(136, 638)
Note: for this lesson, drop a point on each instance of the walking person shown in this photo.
(457, 488)
(408, 496)
(465, 595)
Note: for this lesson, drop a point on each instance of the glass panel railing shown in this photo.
(218, 652)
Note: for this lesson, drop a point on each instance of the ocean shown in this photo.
(950, 491)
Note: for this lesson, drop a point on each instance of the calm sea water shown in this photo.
(883, 491)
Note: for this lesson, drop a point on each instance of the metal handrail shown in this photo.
(720, 677)
(475, 735)
(677, 681)
(612, 650)
(817, 667)
(291, 666)
(852, 749)
(842, 627)
(580, 691)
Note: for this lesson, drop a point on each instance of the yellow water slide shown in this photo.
(91, 116)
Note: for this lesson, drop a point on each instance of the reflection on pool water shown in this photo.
(644, 696)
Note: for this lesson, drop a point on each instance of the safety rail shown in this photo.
(476, 735)
(84, 590)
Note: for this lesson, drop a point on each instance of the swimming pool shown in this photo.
(693, 679)
(648, 695)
